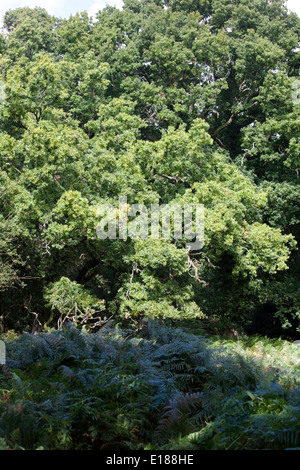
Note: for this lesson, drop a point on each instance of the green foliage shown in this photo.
(29, 31)
(178, 103)
(167, 388)
(73, 302)
(163, 102)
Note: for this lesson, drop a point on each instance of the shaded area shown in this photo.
(161, 388)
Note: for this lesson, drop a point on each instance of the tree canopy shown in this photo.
(182, 102)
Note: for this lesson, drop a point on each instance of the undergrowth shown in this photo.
(169, 389)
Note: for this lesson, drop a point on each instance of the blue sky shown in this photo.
(60, 8)
(64, 8)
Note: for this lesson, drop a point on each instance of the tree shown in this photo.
(29, 31)
(178, 103)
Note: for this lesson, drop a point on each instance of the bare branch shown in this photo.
(196, 275)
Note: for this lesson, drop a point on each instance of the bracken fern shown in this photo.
(169, 389)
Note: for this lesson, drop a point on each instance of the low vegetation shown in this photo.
(163, 387)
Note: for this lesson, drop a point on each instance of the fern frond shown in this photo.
(172, 417)
(66, 371)
(289, 437)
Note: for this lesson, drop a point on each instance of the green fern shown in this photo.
(69, 389)
(175, 413)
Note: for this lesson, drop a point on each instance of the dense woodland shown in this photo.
(125, 344)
